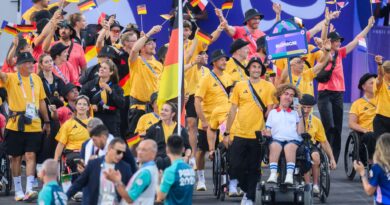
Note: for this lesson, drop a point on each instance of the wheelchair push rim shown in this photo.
(351, 153)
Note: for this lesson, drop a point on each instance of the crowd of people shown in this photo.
(104, 125)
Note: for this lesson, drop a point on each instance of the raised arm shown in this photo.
(379, 61)
(318, 27)
(351, 45)
(278, 10)
(230, 30)
(324, 57)
(49, 38)
(215, 35)
(141, 42)
(190, 52)
(48, 28)
(325, 27)
(12, 51)
(102, 35)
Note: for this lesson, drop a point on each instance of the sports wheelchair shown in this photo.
(299, 192)
(355, 149)
(5, 170)
(67, 171)
(220, 172)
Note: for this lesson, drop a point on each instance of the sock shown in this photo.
(233, 185)
(273, 166)
(18, 184)
(200, 175)
(29, 183)
(290, 167)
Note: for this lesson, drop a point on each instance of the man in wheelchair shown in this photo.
(362, 113)
(316, 133)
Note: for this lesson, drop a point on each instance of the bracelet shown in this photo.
(46, 122)
(226, 134)
(327, 50)
(379, 63)
(118, 183)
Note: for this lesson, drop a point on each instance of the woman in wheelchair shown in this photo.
(316, 131)
(73, 133)
(285, 126)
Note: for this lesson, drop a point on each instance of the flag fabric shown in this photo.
(86, 5)
(26, 28)
(166, 16)
(133, 140)
(116, 1)
(341, 4)
(29, 37)
(141, 9)
(362, 45)
(194, 3)
(331, 2)
(9, 28)
(228, 4)
(90, 53)
(202, 4)
(204, 37)
(73, 1)
(102, 17)
(375, 1)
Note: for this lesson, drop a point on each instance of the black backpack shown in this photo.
(324, 75)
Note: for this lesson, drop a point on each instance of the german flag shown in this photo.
(141, 9)
(9, 28)
(204, 37)
(86, 5)
(194, 3)
(26, 28)
(228, 4)
(90, 53)
(133, 140)
(166, 16)
(73, 1)
(29, 37)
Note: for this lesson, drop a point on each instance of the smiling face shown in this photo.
(254, 23)
(220, 63)
(166, 112)
(115, 33)
(82, 106)
(255, 70)
(335, 44)
(149, 48)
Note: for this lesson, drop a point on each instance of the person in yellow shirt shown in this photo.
(301, 78)
(362, 112)
(210, 93)
(145, 75)
(316, 130)
(382, 95)
(26, 96)
(73, 133)
(39, 5)
(251, 100)
(235, 66)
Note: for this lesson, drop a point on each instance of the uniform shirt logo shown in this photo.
(245, 91)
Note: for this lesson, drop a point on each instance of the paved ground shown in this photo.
(343, 191)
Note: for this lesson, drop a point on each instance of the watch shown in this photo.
(226, 134)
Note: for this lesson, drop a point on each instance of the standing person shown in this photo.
(70, 93)
(51, 192)
(19, 45)
(100, 189)
(178, 179)
(39, 5)
(379, 183)
(250, 101)
(145, 74)
(362, 113)
(141, 188)
(106, 96)
(62, 68)
(26, 97)
(211, 93)
(382, 94)
(331, 88)
(236, 65)
(162, 130)
(79, 23)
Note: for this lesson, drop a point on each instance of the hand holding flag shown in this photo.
(141, 10)
(228, 4)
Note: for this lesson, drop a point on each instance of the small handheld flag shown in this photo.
(86, 5)
(26, 28)
(73, 1)
(9, 28)
(202, 4)
(194, 3)
(362, 45)
(141, 9)
(228, 4)
(331, 2)
(375, 1)
(204, 37)
(166, 16)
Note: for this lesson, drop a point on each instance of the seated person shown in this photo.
(362, 113)
(285, 126)
(316, 130)
(73, 133)
(160, 132)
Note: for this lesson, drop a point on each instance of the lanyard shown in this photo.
(61, 75)
(309, 121)
(298, 82)
(368, 101)
(101, 89)
(149, 66)
(219, 83)
(156, 116)
(253, 42)
(254, 97)
(22, 87)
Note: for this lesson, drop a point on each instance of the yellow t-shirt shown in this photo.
(146, 121)
(27, 14)
(235, 71)
(249, 116)
(382, 95)
(313, 57)
(219, 117)
(212, 94)
(305, 84)
(168, 130)
(143, 80)
(191, 75)
(315, 128)
(18, 103)
(365, 112)
(72, 134)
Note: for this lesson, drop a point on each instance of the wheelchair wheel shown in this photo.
(308, 195)
(219, 173)
(216, 169)
(351, 153)
(225, 176)
(259, 194)
(324, 177)
(7, 175)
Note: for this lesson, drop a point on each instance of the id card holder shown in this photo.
(31, 111)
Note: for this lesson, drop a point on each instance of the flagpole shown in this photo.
(372, 13)
(180, 66)
(212, 3)
(227, 14)
(142, 24)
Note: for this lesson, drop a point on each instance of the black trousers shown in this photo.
(369, 139)
(124, 123)
(381, 125)
(245, 164)
(330, 105)
(134, 115)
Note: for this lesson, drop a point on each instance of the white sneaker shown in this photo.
(201, 186)
(289, 179)
(249, 202)
(192, 162)
(233, 191)
(19, 196)
(273, 178)
(243, 200)
(316, 189)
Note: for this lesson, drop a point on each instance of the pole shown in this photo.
(212, 3)
(289, 70)
(142, 24)
(180, 66)
(372, 13)
(227, 14)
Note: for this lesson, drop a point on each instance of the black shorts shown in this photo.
(190, 107)
(202, 141)
(18, 143)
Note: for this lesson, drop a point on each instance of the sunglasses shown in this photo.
(119, 152)
(116, 31)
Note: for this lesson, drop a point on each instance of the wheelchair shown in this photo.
(324, 180)
(299, 192)
(355, 149)
(66, 175)
(5, 170)
(220, 172)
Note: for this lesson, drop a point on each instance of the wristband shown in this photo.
(379, 63)
(46, 122)
(226, 134)
(327, 50)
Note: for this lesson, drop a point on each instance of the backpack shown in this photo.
(324, 75)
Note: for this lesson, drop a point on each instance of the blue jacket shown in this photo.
(90, 179)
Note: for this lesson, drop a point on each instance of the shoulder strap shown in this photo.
(70, 49)
(368, 101)
(334, 60)
(238, 63)
(257, 98)
(80, 122)
(220, 83)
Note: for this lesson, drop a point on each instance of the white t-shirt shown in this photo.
(107, 193)
(283, 124)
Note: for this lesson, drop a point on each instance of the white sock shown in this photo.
(290, 167)
(233, 185)
(200, 175)
(18, 184)
(29, 183)
(273, 166)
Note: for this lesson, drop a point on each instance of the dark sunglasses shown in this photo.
(119, 152)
